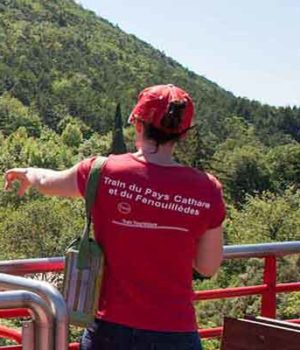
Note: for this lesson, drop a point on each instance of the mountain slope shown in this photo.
(60, 60)
(56, 53)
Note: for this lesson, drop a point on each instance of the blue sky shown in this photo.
(251, 48)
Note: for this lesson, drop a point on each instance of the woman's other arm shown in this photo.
(46, 181)
(209, 254)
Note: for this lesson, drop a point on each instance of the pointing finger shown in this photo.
(17, 174)
(22, 189)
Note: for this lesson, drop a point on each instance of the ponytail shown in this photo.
(173, 118)
(170, 121)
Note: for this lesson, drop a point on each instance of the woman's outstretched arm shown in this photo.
(46, 181)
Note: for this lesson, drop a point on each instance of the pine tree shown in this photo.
(118, 144)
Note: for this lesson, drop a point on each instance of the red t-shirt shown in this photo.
(147, 218)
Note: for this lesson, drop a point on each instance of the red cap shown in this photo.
(153, 103)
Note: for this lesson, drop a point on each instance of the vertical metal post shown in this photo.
(52, 297)
(28, 342)
(41, 312)
(268, 307)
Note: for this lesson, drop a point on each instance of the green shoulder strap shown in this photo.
(84, 249)
(92, 184)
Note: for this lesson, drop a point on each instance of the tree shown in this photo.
(97, 144)
(284, 162)
(39, 228)
(118, 144)
(13, 115)
(243, 171)
(266, 218)
(72, 136)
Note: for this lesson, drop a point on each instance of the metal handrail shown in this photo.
(41, 312)
(268, 289)
(276, 249)
(27, 266)
(51, 296)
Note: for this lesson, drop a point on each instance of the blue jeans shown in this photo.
(103, 335)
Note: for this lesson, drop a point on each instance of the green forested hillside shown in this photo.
(60, 59)
(67, 80)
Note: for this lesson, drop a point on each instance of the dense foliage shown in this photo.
(65, 77)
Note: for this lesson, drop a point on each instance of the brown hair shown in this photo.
(171, 120)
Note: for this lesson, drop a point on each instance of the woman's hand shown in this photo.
(20, 175)
(50, 182)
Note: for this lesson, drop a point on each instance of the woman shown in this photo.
(156, 220)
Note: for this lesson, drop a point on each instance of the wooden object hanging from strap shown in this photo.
(84, 262)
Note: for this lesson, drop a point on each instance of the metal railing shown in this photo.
(51, 296)
(43, 336)
(262, 250)
(268, 289)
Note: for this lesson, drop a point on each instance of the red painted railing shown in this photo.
(268, 290)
